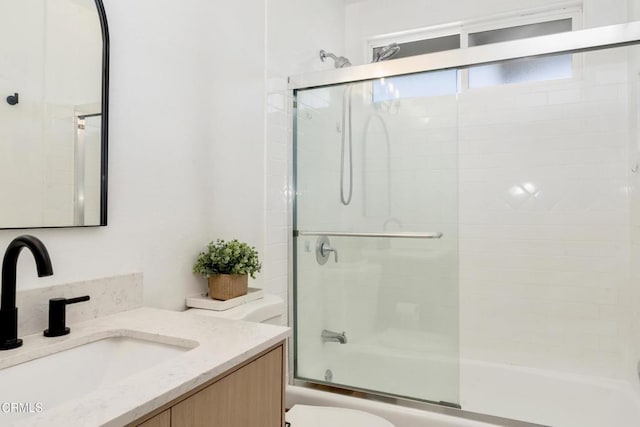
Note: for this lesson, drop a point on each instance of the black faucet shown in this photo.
(8, 310)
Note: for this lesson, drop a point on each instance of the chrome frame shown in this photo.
(569, 42)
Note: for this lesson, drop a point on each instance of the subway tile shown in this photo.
(565, 96)
(604, 92)
(532, 99)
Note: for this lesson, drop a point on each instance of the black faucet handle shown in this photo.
(58, 315)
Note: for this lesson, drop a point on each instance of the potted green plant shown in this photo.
(228, 266)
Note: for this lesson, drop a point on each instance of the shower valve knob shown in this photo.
(324, 249)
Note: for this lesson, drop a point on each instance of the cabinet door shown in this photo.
(163, 419)
(252, 396)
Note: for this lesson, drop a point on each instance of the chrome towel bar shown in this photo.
(430, 235)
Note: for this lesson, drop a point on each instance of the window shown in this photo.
(506, 72)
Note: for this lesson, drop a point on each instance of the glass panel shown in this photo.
(395, 299)
(548, 190)
(544, 246)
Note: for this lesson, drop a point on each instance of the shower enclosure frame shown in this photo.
(599, 38)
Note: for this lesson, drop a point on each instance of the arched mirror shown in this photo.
(53, 113)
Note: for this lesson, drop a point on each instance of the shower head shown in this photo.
(386, 52)
(339, 61)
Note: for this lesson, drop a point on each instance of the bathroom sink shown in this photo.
(51, 380)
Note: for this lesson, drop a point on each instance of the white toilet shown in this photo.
(270, 309)
(323, 416)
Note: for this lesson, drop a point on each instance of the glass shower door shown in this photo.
(376, 237)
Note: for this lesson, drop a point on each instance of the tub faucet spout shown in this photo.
(330, 336)
(8, 310)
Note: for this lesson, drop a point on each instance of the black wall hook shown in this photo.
(13, 99)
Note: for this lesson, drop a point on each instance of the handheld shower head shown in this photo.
(339, 61)
(386, 52)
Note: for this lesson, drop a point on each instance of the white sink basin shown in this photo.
(66, 375)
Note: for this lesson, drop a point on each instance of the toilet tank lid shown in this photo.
(254, 311)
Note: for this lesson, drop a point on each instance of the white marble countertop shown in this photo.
(221, 345)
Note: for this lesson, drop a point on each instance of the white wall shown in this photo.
(186, 156)
(232, 49)
(19, 139)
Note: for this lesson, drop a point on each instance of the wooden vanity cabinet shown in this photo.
(251, 395)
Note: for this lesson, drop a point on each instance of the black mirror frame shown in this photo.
(104, 163)
(104, 131)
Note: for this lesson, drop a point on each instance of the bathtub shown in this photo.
(400, 416)
(547, 397)
(535, 396)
